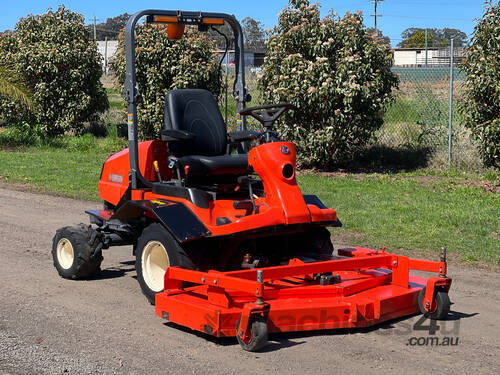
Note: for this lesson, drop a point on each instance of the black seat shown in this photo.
(203, 145)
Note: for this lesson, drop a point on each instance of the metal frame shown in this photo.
(131, 92)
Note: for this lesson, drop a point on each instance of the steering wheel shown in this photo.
(267, 114)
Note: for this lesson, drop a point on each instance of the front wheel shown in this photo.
(155, 251)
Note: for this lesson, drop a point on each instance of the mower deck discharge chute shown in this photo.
(224, 240)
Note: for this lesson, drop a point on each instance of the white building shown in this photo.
(436, 56)
(107, 50)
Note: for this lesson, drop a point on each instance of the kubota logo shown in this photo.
(285, 150)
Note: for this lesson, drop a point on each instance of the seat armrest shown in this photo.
(242, 136)
(170, 135)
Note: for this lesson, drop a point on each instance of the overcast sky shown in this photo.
(397, 15)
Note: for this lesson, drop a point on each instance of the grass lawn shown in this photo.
(410, 211)
(115, 98)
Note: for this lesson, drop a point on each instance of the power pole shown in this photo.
(375, 14)
(426, 47)
(95, 21)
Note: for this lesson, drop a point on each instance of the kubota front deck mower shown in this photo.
(225, 243)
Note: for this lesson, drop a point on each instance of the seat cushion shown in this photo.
(199, 165)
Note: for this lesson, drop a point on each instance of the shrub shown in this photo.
(335, 73)
(480, 105)
(163, 64)
(58, 61)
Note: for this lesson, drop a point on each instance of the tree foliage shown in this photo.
(56, 59)
(414, 37)
(384, 39)
(163, 64)
(111, 28)
(480, 105)
(12, 88)
(417, 40)
(335, 73)
(253, 33)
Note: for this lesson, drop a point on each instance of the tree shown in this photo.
(55, 58)
(417, 40)
(414, 37)
(163, 64)
(253, 33)
(335, 73)
(384, 39)
(480, 105)
(111, 28)
(12, 88)
(459, 37)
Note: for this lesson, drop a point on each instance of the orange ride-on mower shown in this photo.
(225, 243)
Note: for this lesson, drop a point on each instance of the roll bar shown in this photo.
(131, 92)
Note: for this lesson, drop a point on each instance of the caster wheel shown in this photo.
(258, 338)
(443, 304)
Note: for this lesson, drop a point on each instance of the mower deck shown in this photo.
(360, 288)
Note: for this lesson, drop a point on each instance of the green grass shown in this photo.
(406, 211)
(69, 166)
(115, 98)
(402, 110)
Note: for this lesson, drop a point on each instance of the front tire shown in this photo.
(320, 242)
(155, 251)
(76, 252)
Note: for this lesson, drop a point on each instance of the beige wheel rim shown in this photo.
(65, 253)
(154, 263)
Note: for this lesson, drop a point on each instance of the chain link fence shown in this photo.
(418, 118)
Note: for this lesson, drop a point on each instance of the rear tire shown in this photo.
(155, 251)
(76, 252)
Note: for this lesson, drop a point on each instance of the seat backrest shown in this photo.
(196, 111)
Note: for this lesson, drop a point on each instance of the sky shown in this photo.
(397, 15)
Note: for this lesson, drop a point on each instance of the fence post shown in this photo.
(225, 86)
(106, 56)
(450, 118)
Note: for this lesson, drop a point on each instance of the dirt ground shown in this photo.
(49, 325)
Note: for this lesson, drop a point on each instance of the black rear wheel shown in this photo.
(155, 251)
(76, 252)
